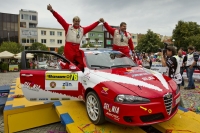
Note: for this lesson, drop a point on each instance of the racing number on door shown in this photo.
(74, 76)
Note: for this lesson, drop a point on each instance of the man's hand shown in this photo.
(49, 7)
(101, 20)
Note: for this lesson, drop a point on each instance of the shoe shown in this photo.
(193, 87)
(187, 88)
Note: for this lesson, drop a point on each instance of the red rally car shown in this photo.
(112, 86)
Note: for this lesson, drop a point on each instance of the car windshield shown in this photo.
(107, 59)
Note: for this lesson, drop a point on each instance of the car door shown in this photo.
(49, 84)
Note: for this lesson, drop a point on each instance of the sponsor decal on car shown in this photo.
(43, 99)
(84, 82)
(111, 108)
(65, 98)
(31, 86)
(115, 117)
(139, 74)
(54, 98)
(145, 109)
(53, 84)
(62, 76)
(66, 84)
(104, 90)
(148, 78)
(33, 99)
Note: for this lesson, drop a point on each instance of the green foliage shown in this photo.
(61, 50)
(11, 47)
(186, 33)
(85, 45)
(149, 42)
(4, 66)
(38, 46)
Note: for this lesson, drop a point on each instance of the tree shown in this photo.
(61, 50)
(85, 45)
(194, 41)
(38, 46)
(149, 42)
(184, 32)
(11, 47)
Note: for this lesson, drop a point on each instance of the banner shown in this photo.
(13, 68)
(157, 66)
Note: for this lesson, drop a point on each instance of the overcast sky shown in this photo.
(160, 16)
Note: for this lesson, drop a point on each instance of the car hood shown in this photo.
(143, 82)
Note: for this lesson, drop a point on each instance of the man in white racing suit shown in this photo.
(172, 62)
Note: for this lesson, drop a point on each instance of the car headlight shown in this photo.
(130, 99)
(177, 89)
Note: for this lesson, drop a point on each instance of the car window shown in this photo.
(43, 61)
(107, 58)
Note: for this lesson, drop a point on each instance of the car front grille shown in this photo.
(168, 102)
(151, 118)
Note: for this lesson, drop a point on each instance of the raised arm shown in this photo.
(64, 24)
(109, 28)
(90, 27)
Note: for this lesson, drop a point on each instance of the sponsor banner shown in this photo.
(157, 66)
(60, 85)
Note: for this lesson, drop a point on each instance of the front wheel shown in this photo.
(94, 108)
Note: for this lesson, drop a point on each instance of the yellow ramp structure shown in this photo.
(73, 115)
(21, 114)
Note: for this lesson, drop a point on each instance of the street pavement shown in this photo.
(7, 79)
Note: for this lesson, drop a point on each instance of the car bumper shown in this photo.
(142, 114)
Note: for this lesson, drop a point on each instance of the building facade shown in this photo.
(134, 39)
(53, 38)
(28, 27)
(9, 27)
(108, 38)
(93, 35)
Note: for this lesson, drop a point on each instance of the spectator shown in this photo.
(191, 63)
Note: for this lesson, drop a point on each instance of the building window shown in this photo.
(16, 26)
(25, 16)
(107, 35)
(43, 32)
(4, 26)
(43, 41)
(100, 35)
(52, 41)
(12, 27)
(27, 40)
(31, 25)
(133, 37)
(59, 41)
(34, 17)
(108, 42)
(59, 33)
(92, 34)
(135, 43)
(23, 40)
(31, 40)
(52, 33)
(52, 49)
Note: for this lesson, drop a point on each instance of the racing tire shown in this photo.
(94, 109)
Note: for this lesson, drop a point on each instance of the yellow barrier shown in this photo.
(20, 114)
